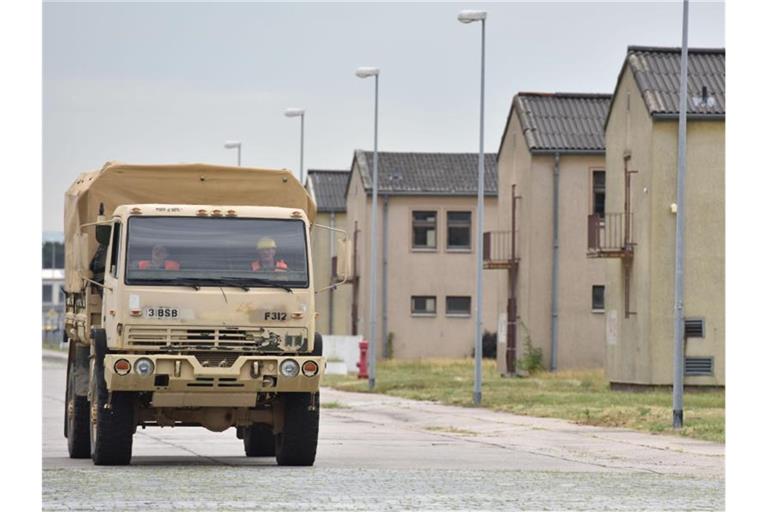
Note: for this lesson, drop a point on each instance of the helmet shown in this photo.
(266, 243)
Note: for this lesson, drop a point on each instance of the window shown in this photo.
(114, 257)
(598, 298)
(424, 230)
(598, 193)
(423, 305)
(210, 251)
(47, 293)
(459, 230)
(458, 306)
(62, 295)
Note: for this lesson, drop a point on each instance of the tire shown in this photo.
(296, 445)
(318, 348)
(111, 429)
(76, 419)
(259, 441)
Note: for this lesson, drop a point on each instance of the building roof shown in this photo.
(452, 174)
(328, 188)
(561, 122)
(657, 73)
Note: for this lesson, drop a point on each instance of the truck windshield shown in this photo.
(217, 252)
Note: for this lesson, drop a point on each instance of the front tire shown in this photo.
(296, 445)
(112, 424)
(259, 441)
(76, 426)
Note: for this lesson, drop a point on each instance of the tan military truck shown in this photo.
(190, 302)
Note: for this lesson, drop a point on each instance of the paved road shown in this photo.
(384, 453)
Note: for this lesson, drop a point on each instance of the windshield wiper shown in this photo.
(267, 282)
(214, 281)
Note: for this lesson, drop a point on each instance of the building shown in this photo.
(53, 304)
(427, 224)
(334, 304)
(638, 232)
(551, 168)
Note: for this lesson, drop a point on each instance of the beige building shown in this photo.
(551, 169)
(641, 169)
(427, 224)
(333, 306)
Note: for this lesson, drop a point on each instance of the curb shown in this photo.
(53, 355)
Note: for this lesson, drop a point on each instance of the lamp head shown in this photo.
(294, 112)
(468, 16)
(365, 72)
(230, 144)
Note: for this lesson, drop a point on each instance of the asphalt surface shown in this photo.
(384, 453)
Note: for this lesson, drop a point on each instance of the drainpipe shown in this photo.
(385, 263)
(332, 243)
(555, 257)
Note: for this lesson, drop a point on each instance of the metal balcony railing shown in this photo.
(497, 249)
(609, 236)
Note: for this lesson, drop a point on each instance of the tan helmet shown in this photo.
(266, 243)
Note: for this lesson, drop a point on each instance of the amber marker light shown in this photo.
(309, 368)
(122, 367)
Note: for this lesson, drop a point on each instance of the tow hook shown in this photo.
(108, 405)
(313, 403)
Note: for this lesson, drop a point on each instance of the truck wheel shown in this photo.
(111, 428)
(318, 348)
(76, 426)
(259, 441)
(296, 445)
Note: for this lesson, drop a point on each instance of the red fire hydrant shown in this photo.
(362, 365)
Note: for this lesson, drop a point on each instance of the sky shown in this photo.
(171, 82)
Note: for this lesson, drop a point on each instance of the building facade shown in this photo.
(333, 304)
(53, 304)
(551, 168)
(427, 222)
(641, 182)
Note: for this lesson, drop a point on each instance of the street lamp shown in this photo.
(231, 144)
(366, 72)
(470, 17)
(299, 112)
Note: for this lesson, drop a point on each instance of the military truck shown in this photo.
(190, 302)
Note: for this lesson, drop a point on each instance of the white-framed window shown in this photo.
(47, 293)
(458, 306)
(424, 230)
(423, 305)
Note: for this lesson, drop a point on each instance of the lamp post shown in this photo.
(231, 144)
(366, 72)
(470, 17)
(299, 112)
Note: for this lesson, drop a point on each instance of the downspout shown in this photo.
(385, 263)
(555, 258)
(332, 244)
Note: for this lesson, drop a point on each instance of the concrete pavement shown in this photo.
(385, 453)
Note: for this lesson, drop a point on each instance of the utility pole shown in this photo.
(679, 350)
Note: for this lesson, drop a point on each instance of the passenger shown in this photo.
(267, 248)
(159, 260)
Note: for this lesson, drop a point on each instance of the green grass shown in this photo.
(334, 405)
(580, 396)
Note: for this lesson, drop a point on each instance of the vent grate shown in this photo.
(698, 366)
(694, 327)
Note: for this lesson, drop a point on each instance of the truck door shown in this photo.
(110, 305)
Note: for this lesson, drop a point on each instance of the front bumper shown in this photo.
(182, 381)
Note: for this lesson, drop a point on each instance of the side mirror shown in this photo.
(103, 233)
(343, 263)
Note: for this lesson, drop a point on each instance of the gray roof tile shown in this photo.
(562, 121)
(657, 73)
(329, 187)
(427, 173)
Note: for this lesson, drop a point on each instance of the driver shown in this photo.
(159, 260)
(266, 249)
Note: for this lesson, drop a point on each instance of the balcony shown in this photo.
(610, 236)
(497, 250)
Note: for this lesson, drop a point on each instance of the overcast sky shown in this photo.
(161, 83)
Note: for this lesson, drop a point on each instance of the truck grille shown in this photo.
(203, 338)
(216, 359)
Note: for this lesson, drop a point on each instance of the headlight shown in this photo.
(289, 368)
(122, 367)
(309, 368)
(144, 366)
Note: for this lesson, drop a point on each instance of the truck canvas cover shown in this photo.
(117, 184)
